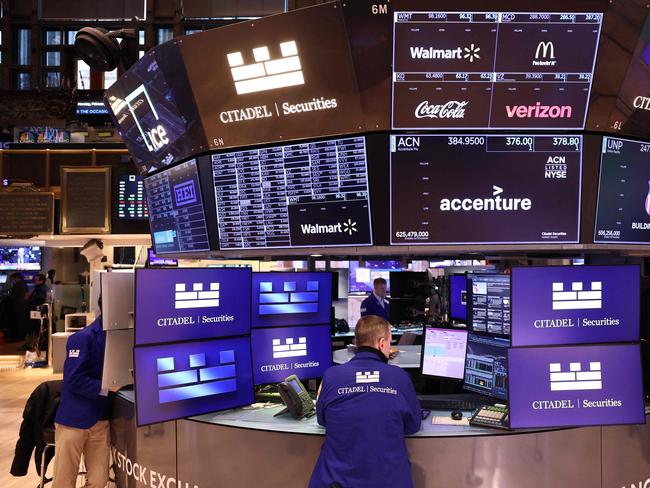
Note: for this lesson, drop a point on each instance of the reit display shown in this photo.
(623, 210)
(485, 189)
(492, 70)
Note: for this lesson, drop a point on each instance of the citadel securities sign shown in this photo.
(575, 304)
(274, 78)
(575, 385)
(185, 304)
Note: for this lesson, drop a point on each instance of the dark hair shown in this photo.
(16, 275)
(41, 277)
(379, 281)
(369, 330)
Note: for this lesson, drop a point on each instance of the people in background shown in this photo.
(20, 257)
(37, 298)
(367, 406)
(81, 424)
(376, 303)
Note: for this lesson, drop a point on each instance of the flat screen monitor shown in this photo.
(354, 309)
(282, 351)
(489, 303)
(179, 380)
(361, 278)
(485, 189)
(27, 258)
(492, 70)
(486, 366)
(117, 292)
(575, 385)
(154, 261)
(118, 359)
(130, 199)
(458, 297)
(443, 353)
(177, 218)
(182, 304)
(575, 304)
(623, 210)
(284, 299)
(311, 194)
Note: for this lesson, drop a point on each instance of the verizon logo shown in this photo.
(450, 110)
(539, 111)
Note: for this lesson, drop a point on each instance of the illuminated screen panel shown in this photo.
(176, 208)
(492, 70)
(302, 195)
(131, 202)
(623, 211)
(485, 189)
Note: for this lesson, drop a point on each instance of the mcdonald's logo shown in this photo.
(546, 51)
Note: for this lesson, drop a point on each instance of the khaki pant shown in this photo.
(94, 443)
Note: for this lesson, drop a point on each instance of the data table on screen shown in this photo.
(290, 196)
(493, 70)
(177, 218)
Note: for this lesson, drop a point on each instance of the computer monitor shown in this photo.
(458, 297)
(443, 353)
(27, 258)
(118, 359)
(361, 278)
(354, 309)
(486, 366)
(489, 303)
(154, 261)
(282, 351)
(117, 288)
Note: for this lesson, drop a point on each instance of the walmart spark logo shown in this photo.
(472, 53)
(349, 227)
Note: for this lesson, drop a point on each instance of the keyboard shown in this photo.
(446, 404)
(495, 416)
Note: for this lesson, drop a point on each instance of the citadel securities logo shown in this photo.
(578, 298)
(266, 73)
(155, 138)
(451, 110)
(576, 379)
(73, 353)
(641, 102)
(470, 53)
(367, 377)
(197, 298)
(497, 203)
(348, 227)
(545, 51)
(290, 349)
(539, 111)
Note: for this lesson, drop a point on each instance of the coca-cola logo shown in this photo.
(450, 110)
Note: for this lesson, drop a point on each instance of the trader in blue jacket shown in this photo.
(81, 421)
(367, 407)
(376, 303)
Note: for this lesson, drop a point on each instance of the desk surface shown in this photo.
(408, 357)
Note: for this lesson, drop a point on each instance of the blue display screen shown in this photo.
(190, 303)
(283, 299)
(173, 381)
(458, 297)
(279, 352)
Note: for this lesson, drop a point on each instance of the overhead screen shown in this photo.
(623, 211)
(485, 189)
(301, 195)
(492, 70)
(177, 218)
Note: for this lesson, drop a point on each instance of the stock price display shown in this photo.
(485, 189)
(131, 203)
(492, 70)
(301, 195)
(623, 213)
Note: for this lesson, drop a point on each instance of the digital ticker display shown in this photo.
(485, 189)
(177, 218)
(492, 70)
(131, 202)
(623, 211)
(299, 195)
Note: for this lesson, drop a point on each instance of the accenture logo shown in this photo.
(348, 227)
(470, 53)
(495, 204)
(539, 111)
(453, 109)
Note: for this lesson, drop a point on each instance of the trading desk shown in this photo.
(407, 356)
(248, 447)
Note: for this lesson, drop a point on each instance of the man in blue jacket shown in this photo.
(376, 303)
(81, 421)
(367, 407)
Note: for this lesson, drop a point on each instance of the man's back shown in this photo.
(367, 406)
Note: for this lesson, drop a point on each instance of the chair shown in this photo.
(407, 339)
(48, 439)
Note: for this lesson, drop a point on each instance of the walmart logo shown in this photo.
(198, 381)
(349, 227)
(288, 298)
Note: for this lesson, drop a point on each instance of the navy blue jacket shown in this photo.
(371, 306)
(366, 406)
(81, 403)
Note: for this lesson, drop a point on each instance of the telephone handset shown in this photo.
(296, 398)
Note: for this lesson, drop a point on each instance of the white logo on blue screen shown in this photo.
(290, 349)
(496, 204)
(199, 381)
(578, 298)
(367, 377)
(154, 138)
(197, 297)
(575, 379)
(286, 298)
(348, 227)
